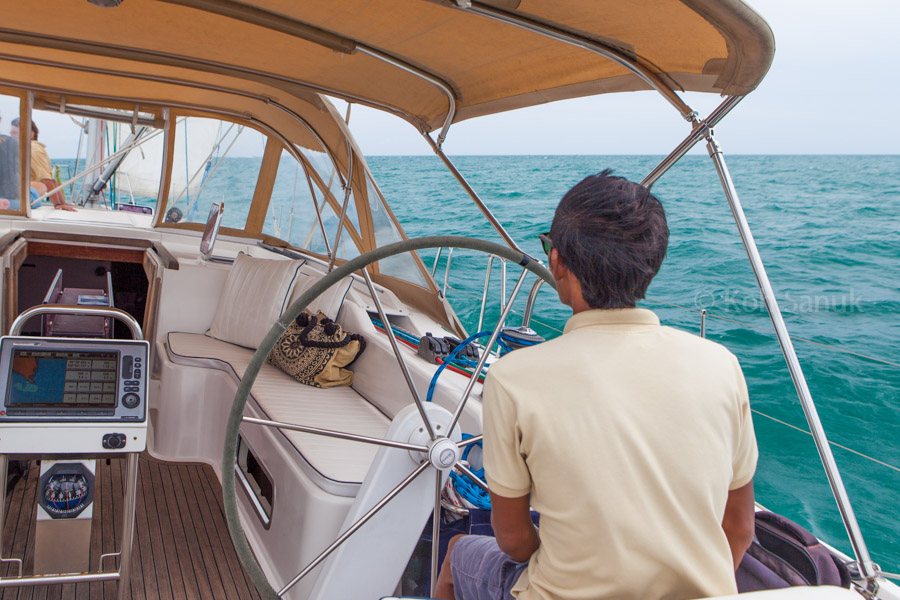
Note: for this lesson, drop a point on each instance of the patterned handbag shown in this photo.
(315, 351)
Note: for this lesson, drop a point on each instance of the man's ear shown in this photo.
(557, 266)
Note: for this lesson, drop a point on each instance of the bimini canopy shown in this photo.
(429, 61)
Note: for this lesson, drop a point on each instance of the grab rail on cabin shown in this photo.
(63, 309)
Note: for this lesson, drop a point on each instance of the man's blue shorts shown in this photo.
(481, 570)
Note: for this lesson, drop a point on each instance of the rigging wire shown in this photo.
(767, 330)
(835, 444)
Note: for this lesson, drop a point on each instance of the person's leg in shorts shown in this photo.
(475, 568)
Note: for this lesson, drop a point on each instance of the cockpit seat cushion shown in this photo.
(256, 292)
(337, 466)
(330, 301)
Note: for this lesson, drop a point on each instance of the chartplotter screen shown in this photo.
(63, 379)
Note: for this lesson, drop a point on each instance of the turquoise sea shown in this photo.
(827, 229)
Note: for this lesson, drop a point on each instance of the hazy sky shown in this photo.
(831, 90)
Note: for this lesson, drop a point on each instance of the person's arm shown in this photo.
(739, 521)
(515, 532)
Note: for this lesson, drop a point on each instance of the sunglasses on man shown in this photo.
(546, 242)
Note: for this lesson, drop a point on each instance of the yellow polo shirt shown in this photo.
(41, 167)
(628, 436)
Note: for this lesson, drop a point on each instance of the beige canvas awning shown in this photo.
(421, 59)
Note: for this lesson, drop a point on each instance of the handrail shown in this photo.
(67, 309)
(487, 283)
(532, 297)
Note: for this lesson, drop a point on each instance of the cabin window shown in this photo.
(213, 161)
(292, 212)
(402, 266)
(9, 155)
(96, 157)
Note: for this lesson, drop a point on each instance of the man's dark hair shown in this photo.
(34, 128)
(611, 234)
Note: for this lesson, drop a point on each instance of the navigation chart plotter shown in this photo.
(88, 394)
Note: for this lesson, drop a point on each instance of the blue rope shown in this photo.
(464, 486)
(450, 357)
(503, 340)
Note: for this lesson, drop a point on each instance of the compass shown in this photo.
(65, 490)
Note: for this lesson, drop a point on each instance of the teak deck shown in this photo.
(182, 549)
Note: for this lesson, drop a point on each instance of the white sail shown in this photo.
(139, 173)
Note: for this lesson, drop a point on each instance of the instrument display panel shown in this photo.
(59, 380)
(63, 378)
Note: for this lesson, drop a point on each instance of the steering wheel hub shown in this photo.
(443, 454)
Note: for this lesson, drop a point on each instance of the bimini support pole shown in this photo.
(697, 132)
(473, 194)
(867, 569)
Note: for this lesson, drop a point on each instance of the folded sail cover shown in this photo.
(482, 55)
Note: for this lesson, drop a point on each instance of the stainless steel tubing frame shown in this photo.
(437, 257)
(866, 567)
(487, 349)
(131, 468)
(487, 283)
(64, 309)
(473, 194)
(502, 282)
(429, 77)
(128, 514)
(51, 579)
(396, 348)
(337, 434)
(348, 190)
(355, 527)
(650, 77)
(447, 271)
(697, 134)
(532, 297)
(312, 194)
(4, 464)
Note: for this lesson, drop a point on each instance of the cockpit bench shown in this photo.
(335, 465)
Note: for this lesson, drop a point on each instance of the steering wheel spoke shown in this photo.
(396, 348)
(355, 527)
(468, 473)
(336, 434)
(487, 349)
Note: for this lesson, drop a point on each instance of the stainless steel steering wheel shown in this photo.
(439, 453)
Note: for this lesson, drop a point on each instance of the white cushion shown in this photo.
(256, 293)
(329, 301)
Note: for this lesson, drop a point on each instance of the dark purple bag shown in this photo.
(784, 554)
